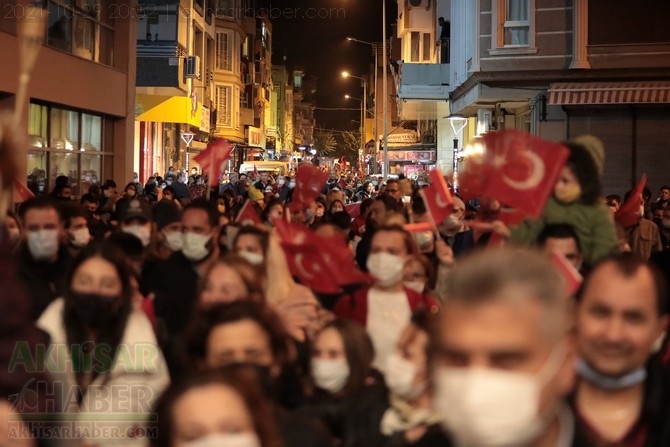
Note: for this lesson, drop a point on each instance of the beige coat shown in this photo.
(114, 411)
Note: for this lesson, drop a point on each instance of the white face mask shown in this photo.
(80, 237)
(330, 375)
(174, 240)
(141, 232)
(291, 185)
(43, 244)
(226, 440)
(251, 257)
(424, 239)
(387, 268)
(417, 286)
(195, 246)
(485, 407)
(400, 374)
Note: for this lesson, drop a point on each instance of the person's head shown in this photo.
(419, 273)
(440, 20)
(342, 356)
(98, 296)
(390, 250)
(167, 217)
(613, 202)
(382, 208)
(273, 210)
(369, 187)
(454, 223)
(621, 315)
(43, 228)
(108, 188)
(563, 239)
(130, 190)
(320, 207)
(75, 219)
(11, 223)
(393, 189)
(406, 373)
(230, 278)
(664, 193)
(169, 193)
(90, 201)
(251, 243)
(215, 408)
(579, 180)
(135, 218)
(265, 177)
(336, 206)
(199, 222)
(238, 332)
(503, 344)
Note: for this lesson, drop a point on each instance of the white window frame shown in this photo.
(225, 43)
(500, 24)
(224, 106)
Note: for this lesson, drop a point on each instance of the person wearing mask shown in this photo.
(167, 238)
(403, 416)
(75, 218)
(385, 307)
(283, 187)
(382, 210)
(273, 210)
(106, 337)
(336, 206)
(251, 243)
(138, 184)
(130, 191)
(42, 255)
(215, 408)
(135, 218)
(245, 333)
(623, 390)
(109, 195)
(502, 356)
(174, 282)
(341, 377)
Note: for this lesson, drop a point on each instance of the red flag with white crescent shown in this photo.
(437, 197)
(309, 267)
(516, 168)
(309, 181)
(628, 214)
(248, 215)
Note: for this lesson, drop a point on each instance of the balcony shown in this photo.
(428, 82)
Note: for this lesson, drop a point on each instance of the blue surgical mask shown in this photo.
(628, 380)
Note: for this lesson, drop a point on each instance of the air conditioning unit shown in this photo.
(418, 4)
(192, 67)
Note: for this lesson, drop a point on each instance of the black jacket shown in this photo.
(43, 281)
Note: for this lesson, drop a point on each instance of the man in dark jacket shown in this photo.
(43, 257)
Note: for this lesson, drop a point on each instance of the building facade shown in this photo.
(76, 128)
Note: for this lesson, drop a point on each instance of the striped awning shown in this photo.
(587, 93)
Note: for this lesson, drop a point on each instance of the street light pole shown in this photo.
(385, 93)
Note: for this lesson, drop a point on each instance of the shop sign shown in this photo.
(254, 137)
(420, 156)
(400, 138)
(204, 119)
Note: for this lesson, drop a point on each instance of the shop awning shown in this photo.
(168, 109)
(587, 93)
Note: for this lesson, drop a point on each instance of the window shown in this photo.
(76, 148)
(415, 49)
(224, 104)
(427, 46)
(224, 51)
(516, 25)
(83, 28)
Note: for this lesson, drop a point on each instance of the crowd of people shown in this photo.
(156, 316)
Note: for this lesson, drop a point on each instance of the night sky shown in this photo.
(320, 46)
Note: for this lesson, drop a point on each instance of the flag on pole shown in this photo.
(437, 197)
(248, 215)
(309, 182)
(628, 215)
(210, 160)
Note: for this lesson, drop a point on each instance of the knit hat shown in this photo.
(254, 194)
(165, 212)
(594, 146)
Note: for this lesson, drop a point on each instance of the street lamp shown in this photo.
(457, 123)
(346, 74)
(375, 49)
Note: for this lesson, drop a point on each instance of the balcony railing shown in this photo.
(423, 81)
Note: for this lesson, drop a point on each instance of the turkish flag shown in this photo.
(323, 264)
(628, 215)
(24, 193)
(516, 168)
(354, 209)
(573, 277)
(211, 159)
(309, 182)
(437, 197)
(255, 171)
(248, 215)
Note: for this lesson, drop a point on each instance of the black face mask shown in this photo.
(95, 311)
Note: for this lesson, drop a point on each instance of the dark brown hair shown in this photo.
(250, 275)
